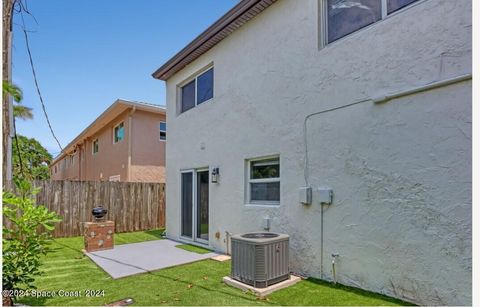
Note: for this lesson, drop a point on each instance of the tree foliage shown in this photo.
(13, 90)
(19, 111)
(26, 239)
(35, 159)
(22, 112)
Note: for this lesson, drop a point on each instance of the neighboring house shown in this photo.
(279, 95)
(125, 143)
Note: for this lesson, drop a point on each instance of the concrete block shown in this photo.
(262, 292)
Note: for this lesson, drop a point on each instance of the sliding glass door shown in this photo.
(187, 204)
(194, 205)
(202, 205)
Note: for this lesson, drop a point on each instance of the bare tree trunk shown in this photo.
(6, 100)
(7, 301)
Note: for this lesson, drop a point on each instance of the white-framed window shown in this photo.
(114, 178)
(95, 146)
(263, 181)
(343, 17)
(163, 131)
(72, 159)
(118, 133)
(197, 90)
(55, 168)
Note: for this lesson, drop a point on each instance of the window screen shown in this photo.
(345, 17)
(395, 5)
(188, 96)
(264, 181)
(95, 146)
(119, 133)
(163, 131)
(205, 86)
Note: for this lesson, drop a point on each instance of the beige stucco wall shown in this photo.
(65, 169)
(111, 159)
(147, 153)
(400, 171)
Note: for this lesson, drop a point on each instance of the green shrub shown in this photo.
(27, 237)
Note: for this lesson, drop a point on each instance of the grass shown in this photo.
(199, 283)
(140, 236)
(194, 248)
(321, 293)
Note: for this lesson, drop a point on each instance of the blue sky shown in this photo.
(89, 53)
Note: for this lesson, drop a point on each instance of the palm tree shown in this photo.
(13, 90)
(19, 111)
(22, 112)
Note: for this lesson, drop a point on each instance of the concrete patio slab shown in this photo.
(130, 259)
(262, 292)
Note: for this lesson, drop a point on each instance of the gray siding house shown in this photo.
(371, 98)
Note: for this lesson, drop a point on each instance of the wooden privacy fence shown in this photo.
(133, 206)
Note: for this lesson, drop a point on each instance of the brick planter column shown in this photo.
(99, 235)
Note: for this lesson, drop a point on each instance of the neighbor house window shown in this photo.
(95, 146)
(163, 131)
(197, 91)
(347, 16)
(118, 133)
(55, 169)
(114, 178)
(264, 181)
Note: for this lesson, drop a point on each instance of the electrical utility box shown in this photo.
(325, 195)
(305, 195)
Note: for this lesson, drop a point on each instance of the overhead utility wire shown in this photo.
(19, 155)
(36, 82)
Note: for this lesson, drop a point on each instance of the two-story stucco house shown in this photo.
(279, 100)
(125, 143)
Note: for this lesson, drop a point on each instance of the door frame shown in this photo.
(194, 172)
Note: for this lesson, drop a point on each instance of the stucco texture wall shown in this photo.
(111, 158)
(400, 171)
(148, 151)
(65, 171)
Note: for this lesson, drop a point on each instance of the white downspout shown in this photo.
(129, 159)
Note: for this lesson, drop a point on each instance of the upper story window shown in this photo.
(118, 133)
(263, 180)
(163, 131)
(395, 5)
(197, 91)
(95, 147)
(347, 16)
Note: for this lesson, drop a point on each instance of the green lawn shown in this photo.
(140, 236)
(199, 283)
(193, 248)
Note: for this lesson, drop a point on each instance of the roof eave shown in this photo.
(126, 103)
(232, 20)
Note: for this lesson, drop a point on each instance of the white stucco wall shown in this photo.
(400, 171)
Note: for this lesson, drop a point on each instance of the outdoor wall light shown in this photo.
(215, 174)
